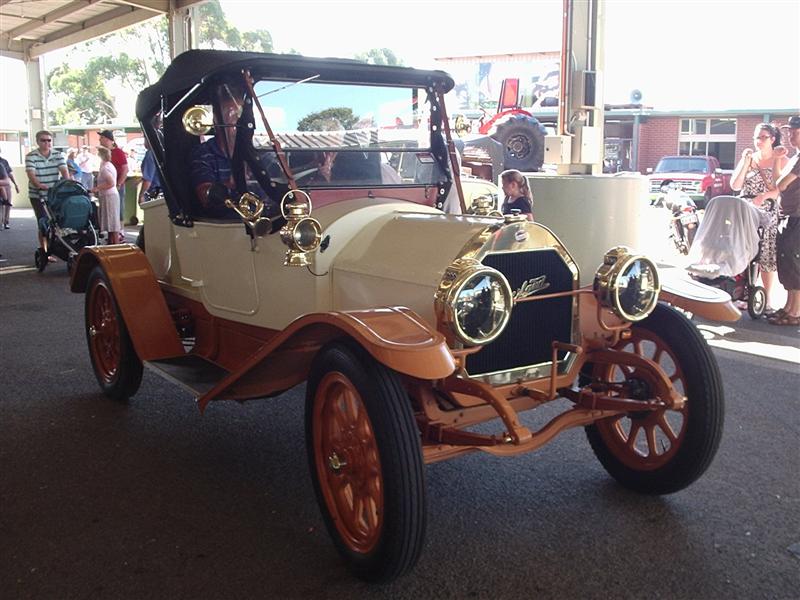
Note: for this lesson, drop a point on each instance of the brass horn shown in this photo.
(198, 120)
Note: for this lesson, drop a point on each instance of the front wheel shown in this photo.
(663, 451)
(366, 463)
(114, 360)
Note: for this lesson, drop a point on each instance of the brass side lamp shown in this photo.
(302, 233)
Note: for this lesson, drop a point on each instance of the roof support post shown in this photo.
(183, 28)
(581, 111)
(36, 108)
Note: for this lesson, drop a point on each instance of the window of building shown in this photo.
(712, 137)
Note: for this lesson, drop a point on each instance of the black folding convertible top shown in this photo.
(195, 66)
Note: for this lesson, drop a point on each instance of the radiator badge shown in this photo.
(531, 287)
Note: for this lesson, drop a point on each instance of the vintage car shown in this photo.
(300, 237)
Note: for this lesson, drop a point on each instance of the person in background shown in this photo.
(44, 167)
(120, 161)
(6, 179)
(108, 196)
(151, 182)
(518, 194)
(85, 162)
(755, 176)
(74, 170)
(788, 243)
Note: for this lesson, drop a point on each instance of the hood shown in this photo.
(391, 253)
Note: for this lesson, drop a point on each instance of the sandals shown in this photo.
(774, 314)
(784, 319)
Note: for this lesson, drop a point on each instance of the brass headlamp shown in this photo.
(627, 283)
(302, 233)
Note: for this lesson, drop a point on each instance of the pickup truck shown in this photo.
(699, 176)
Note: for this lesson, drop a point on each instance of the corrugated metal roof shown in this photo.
(31, 28)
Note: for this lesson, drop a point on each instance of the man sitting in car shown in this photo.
(212, 160)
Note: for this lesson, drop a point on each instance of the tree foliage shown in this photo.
(216, 32)
(86, 99)
(322, 120)
(82, 94)
(379, 56)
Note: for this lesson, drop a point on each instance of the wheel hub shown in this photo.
(335, 463)
(518, 146)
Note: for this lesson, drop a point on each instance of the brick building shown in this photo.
(723, 134)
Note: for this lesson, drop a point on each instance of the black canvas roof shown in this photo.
(195, 66)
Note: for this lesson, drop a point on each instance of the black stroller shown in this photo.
(726, 250)
(69, 223)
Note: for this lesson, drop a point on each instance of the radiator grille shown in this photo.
(533, 326)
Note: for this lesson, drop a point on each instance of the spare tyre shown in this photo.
(522, 138)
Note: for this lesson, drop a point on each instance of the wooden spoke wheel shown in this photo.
(366, 462)
(116, 366)
(348, 463)
(665, 450)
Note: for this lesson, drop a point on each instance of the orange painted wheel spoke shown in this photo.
(666, 427)
(658, 355)
(635, 427)
(652, 445)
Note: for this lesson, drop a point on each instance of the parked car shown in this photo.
(699, 176)
(408, 325)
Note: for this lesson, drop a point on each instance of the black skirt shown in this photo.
(788, 254)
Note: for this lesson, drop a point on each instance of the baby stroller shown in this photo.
(69, 224)
(726, 250)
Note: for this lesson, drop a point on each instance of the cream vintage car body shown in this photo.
(323, 256)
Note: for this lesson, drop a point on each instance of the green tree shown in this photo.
(379, 56)
(320, 120)
(85, 97)
(83, 94)
(216, 32)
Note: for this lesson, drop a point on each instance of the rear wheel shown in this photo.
(663, 451)
(366, 464)
(756, 302)
(522, 138)
(114, 360)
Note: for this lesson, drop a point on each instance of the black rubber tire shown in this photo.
(140, 238)
(705, 411)
(756, 302)
(40, 260)
(401, 536)
(120, 374)
(529, 154)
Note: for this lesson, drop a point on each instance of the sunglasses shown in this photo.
(45, 140)
(761, 137)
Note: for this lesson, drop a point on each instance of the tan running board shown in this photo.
(189, 371)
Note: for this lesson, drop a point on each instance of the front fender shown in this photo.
(137, 294)
(394, 336)
(698, 298)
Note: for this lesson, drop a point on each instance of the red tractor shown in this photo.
(517, 130)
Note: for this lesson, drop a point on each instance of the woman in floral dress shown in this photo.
(755, 176)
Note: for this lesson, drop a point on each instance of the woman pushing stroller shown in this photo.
(755, 176)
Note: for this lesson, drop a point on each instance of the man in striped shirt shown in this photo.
(44, 166)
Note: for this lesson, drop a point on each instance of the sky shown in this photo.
(701, 54)
(681, 54)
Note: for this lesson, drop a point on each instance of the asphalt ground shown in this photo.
(150, 499)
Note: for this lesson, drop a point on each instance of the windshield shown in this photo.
(339, 135)
(680, 164)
